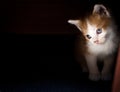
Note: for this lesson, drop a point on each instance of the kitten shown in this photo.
(101, 41)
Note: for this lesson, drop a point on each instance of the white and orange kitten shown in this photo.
(100, 33)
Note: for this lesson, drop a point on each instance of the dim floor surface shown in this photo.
(43, 63)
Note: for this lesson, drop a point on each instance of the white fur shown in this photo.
(100, 51)
(92, 67)
(91, 30)
(107, 47)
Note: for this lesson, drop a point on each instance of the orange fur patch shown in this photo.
(94, 19)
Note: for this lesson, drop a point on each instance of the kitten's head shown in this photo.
(95, 26)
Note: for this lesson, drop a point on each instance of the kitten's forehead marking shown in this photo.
(91, 28)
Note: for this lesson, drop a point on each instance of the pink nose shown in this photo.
(97, 41)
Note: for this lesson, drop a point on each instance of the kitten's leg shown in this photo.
(106, 71)
(94, 73)
(84, 66)
(81, 60)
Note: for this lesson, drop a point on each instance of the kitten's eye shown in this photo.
(99, 31)
(88, 36)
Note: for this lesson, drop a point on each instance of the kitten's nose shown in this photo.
(96, 41)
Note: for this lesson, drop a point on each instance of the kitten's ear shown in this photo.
(75, 22)
(101, 10)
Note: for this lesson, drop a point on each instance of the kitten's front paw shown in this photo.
(106, 76)
(94, 76)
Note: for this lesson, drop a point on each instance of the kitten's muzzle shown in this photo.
(96, 41)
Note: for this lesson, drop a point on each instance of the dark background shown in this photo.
(37, 46)
(47, 16)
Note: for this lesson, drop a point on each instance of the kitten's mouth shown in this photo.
(98, 42)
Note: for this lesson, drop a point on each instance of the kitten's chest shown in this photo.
(103, 49)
